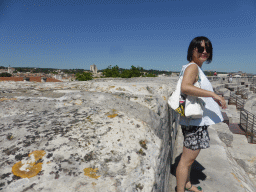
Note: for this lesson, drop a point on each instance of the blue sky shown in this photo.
(153, 34)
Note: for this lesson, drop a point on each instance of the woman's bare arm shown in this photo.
(188, 88)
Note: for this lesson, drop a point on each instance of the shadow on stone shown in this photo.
(196, 171)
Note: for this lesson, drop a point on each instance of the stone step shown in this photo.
(226, 92)
(232, 113)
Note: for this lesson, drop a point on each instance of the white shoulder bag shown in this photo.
(193, 105)
(175, 101)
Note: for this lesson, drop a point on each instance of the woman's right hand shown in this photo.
(220, 100)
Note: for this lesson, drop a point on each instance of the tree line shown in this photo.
(116, 72)
(110, 71)
(126, 73)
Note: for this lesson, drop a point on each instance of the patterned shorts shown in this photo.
(195, 137)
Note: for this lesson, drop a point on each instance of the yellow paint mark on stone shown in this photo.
(164, 97)
(8, 99)
(90, 172)
(160, 87)
(29, 168)
(134, 85)
(111, 87)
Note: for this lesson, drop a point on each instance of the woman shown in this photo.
(195, 132)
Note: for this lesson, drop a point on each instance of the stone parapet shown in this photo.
(104, 135)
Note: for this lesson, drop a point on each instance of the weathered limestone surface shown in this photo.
(105, 135)
(102, 135)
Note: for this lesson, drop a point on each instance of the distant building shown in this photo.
(3, 70)
(10, 70)
(223, 75)
(93, 68)
(161, 75)
(59, 77)
(175, 74)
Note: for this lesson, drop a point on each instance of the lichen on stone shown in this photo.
(107, 160)
(29, 168)
(90, 172)
(112, 116)
(88, 157)
(38, 154)
(141, 152)
(10, 136)
(8, 99)
(143, 144)
(139, 186)
(112, 113)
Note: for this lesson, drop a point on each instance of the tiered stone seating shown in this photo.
(231, 86)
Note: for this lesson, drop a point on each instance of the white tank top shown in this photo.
(212, 113)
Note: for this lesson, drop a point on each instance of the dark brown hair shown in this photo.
(197, 42)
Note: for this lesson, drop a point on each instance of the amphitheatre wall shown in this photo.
(112, 134)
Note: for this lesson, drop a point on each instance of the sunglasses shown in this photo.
(201, 49)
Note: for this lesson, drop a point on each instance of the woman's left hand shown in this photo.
(221, 101)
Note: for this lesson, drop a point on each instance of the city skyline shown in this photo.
(153, 34)
(113, 66)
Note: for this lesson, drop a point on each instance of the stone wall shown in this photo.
(236, 80)
(100, 135)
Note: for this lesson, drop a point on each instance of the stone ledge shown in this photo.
(111, 136)
(215, 169)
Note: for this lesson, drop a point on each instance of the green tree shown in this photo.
(111, 71)
(136, 71)
(133, 72)
(5, 74)
(150, 75)
(126, 74)
(83, 76)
